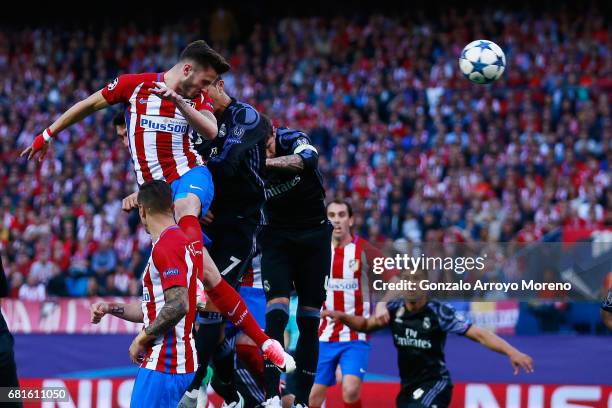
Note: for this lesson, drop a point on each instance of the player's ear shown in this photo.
(351, 221)
(187, 68)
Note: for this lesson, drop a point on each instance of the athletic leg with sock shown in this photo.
(276, 273)
(223, 298)
(309, 284)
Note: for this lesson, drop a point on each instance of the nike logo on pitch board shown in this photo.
(196, 187)
(230, 314)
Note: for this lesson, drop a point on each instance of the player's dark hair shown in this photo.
(200, 52)
(266, 124)
(156, 197)
(119, 119)
(266, 118)
(341, 202)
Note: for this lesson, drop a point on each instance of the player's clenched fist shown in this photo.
(130, 202)
(40, 144)
(98, 310)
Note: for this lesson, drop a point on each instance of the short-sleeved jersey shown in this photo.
(420, 337)
(349, 288)
(158, 133)
(172, 263)
(296, 199)
(607, 302)
(236, 159)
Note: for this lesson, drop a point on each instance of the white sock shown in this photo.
(193, 394)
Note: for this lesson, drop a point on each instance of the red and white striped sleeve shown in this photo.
(121, 88)
(170, 263)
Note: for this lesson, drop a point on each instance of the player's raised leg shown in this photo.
(193, 194)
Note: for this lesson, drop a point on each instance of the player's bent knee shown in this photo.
(351, 387)
(189, 205)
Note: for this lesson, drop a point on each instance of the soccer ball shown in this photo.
(482, 61)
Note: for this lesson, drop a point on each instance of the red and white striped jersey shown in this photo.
(348, 288)
(158, 133)
(171, 264)
(252, 277)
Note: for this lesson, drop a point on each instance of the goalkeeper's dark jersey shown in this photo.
(420, 337)
(296, 199)
(237, 158)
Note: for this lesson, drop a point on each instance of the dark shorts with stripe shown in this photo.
(430, 394)
(233, 248)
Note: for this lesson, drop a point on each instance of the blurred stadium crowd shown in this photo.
(423, 154)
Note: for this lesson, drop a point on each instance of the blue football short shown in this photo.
(197, 181)
(157, 389)
(352, 356)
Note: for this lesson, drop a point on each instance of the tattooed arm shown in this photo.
(131, 312)
(175, 308)
(290, 164)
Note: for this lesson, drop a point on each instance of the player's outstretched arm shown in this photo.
(131, 312)
(358, 323)
(493, 342)
(75, 114)
(203, 122)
